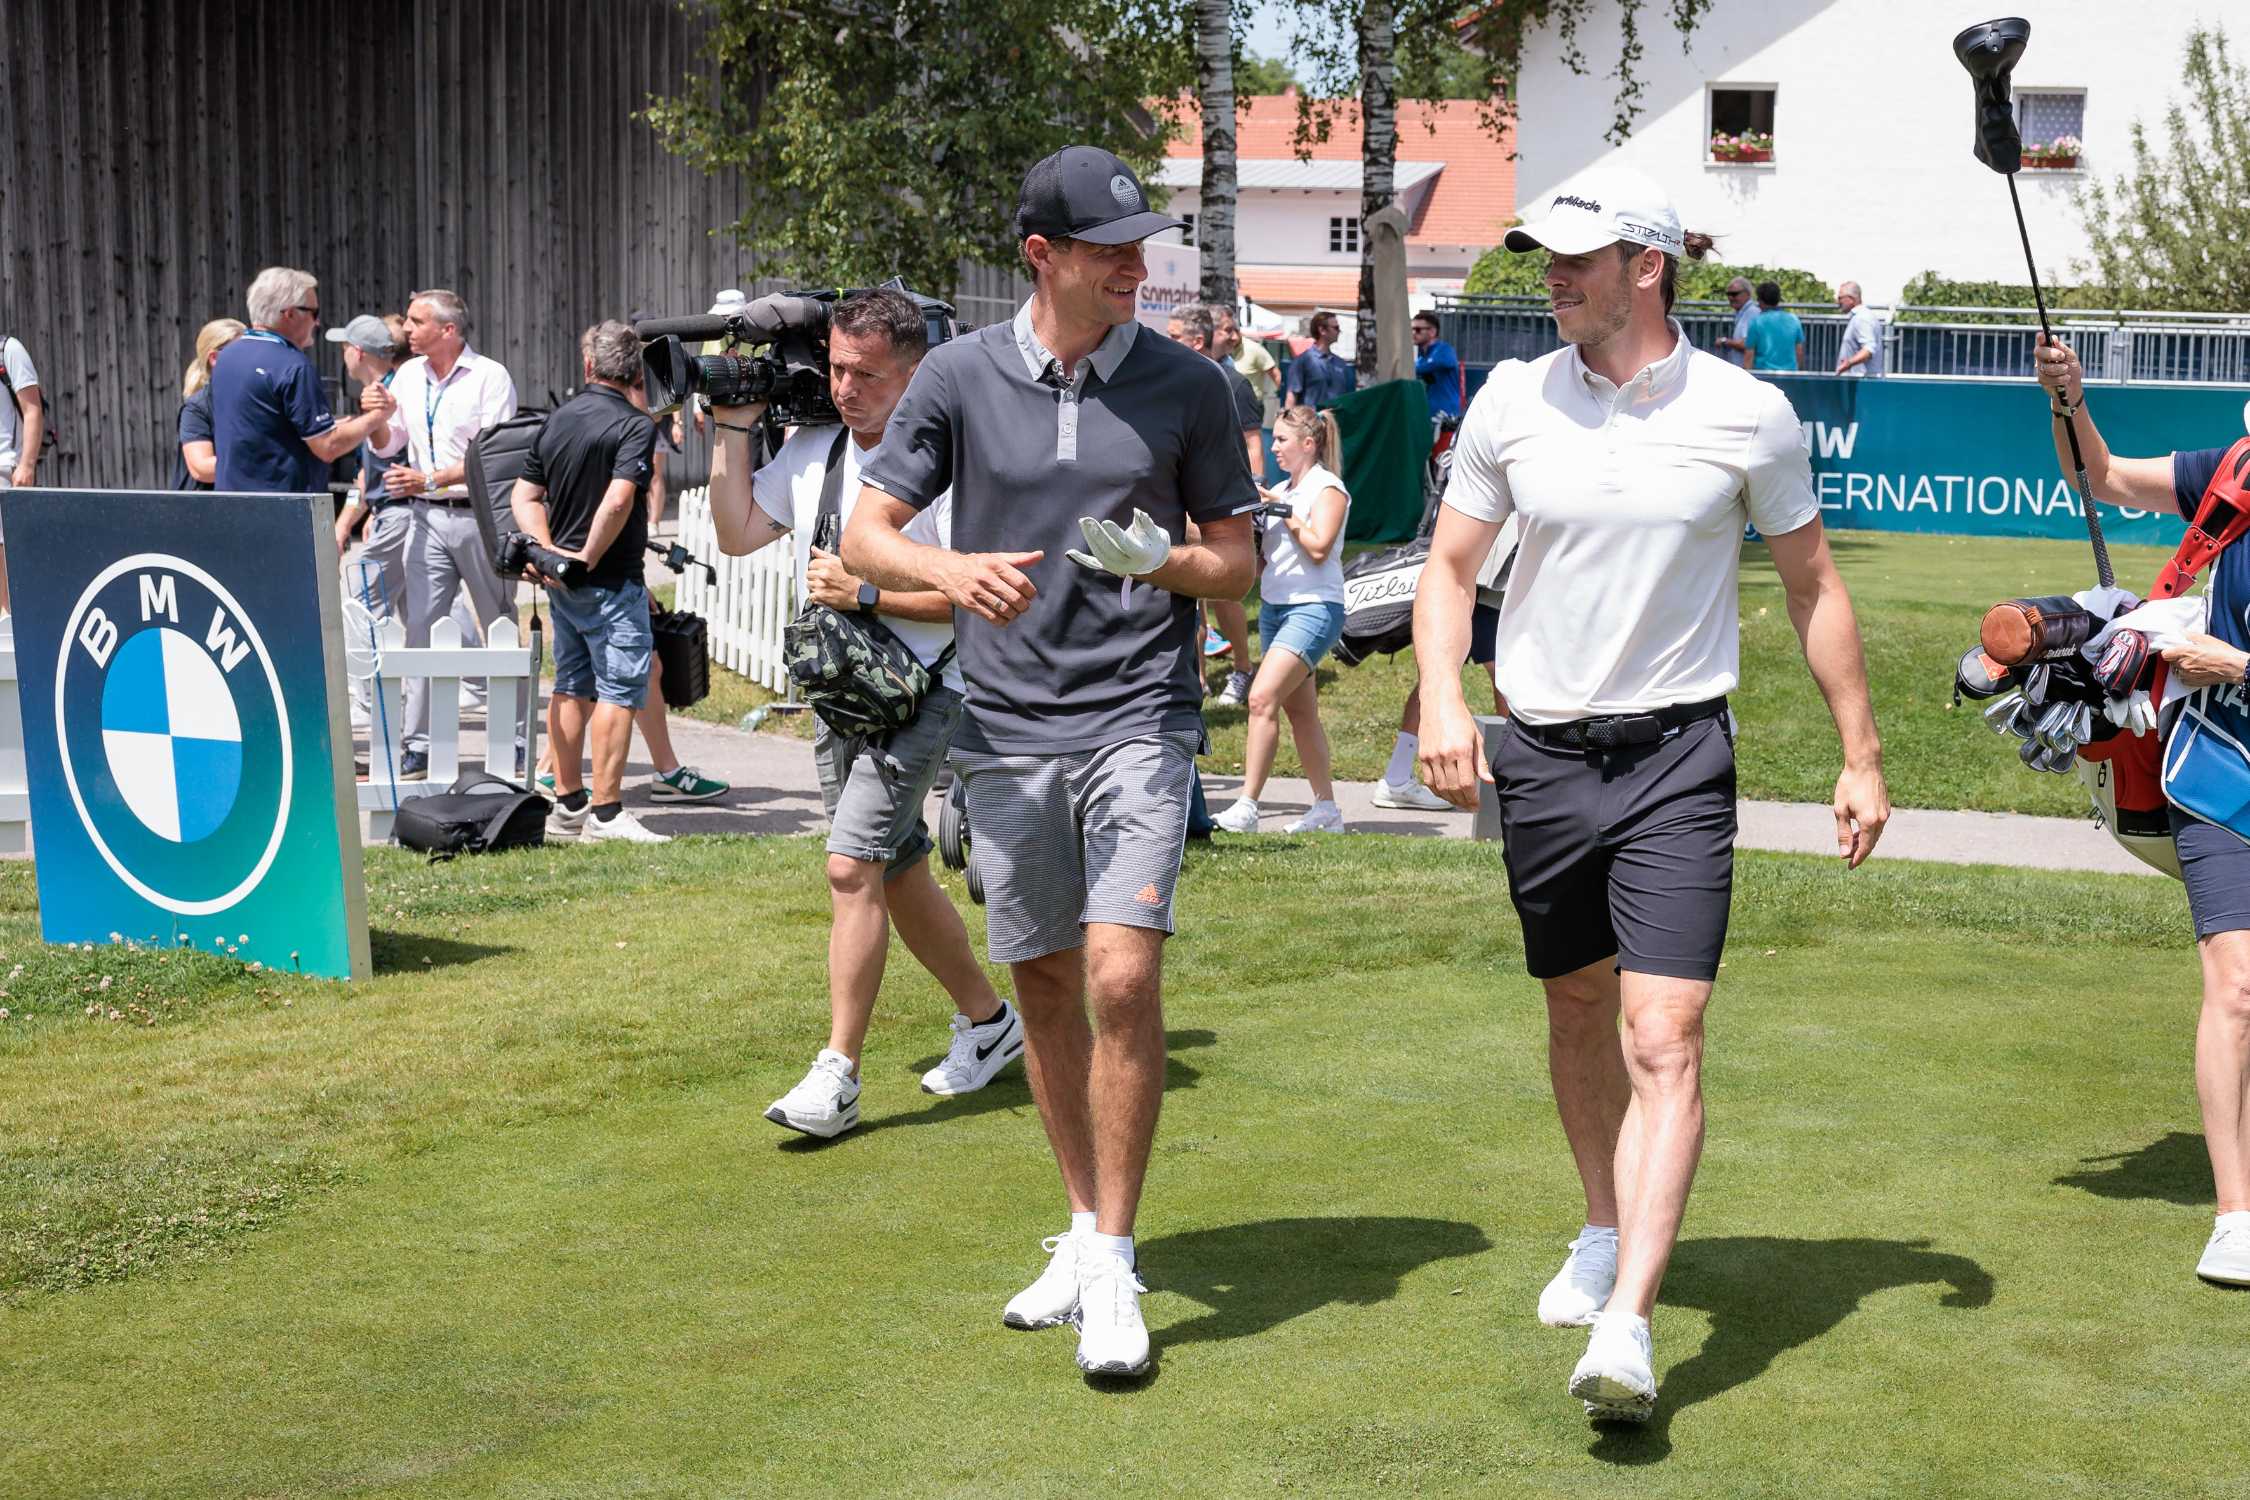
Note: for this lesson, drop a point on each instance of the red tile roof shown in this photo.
(1473, 198)
(1290, 287)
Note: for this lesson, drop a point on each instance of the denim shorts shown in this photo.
(602, 643)
(1308, 631)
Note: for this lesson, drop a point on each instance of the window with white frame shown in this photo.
(1343, 235)
(1741, 118)
(2053, 125)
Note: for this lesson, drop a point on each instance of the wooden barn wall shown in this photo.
(158, 153)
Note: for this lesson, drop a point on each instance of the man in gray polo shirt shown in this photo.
(1072, 427)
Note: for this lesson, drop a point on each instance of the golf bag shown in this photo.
(1379, 600)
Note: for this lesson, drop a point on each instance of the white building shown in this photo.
(1871, 177)
(1297, 223)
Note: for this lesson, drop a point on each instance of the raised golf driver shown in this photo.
(1989, 51)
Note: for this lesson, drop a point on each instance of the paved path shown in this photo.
(775, 792)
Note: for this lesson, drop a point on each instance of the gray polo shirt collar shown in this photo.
(1107, 355)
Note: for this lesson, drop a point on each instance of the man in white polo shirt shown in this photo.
(1631, 462)
(441, 399)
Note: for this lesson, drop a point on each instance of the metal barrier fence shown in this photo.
(748, 601)
(2123, 346)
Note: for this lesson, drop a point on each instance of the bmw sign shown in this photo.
(183, 713)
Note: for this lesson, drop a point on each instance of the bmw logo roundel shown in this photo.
(175, 735)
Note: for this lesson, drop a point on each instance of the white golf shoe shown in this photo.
(1321, 817)
(825, 1101)
(1582, 1287)
(1617, 1377)
(1112, 1339)
(977, 1053)
(1240, 818)
(2226, 1259)
(622, 829)
(1052, 1300)
(1412, 796)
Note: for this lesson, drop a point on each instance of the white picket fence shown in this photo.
(15, 788)
(745, 604)
(505, 661)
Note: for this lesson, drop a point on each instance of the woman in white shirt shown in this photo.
(1300, 618)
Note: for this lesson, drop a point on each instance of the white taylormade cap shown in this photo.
(1599, 207)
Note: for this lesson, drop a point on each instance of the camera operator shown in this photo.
(878, 843)
(581, 496)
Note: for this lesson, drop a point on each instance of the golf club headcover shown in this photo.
(2221, 517)
(2016, 631)
(2124, 663)
(1978, 676)
(1989, 51)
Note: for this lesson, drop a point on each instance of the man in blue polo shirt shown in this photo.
(270, 421)
(1319, 376)
(1071, 427)
(1437, 367)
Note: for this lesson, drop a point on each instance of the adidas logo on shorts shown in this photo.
(1150, 895)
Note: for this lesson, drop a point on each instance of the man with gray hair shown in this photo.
(582, 494)
(1860, 353)
(1736, 346)
(270, 423)
(441, 399)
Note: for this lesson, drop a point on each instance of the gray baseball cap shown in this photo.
(367, 333)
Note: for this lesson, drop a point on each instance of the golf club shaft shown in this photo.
(2103, 573)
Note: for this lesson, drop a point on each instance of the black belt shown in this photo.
(1616, 731)
(450, 502)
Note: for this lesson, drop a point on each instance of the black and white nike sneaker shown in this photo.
(977, 1053)
(825, 1102)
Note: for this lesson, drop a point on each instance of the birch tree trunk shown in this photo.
(1378, 112)
(1214, 225)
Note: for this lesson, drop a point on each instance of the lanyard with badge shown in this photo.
(433, 397)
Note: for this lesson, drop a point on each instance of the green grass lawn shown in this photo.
(506, 1222)
(1919, 599)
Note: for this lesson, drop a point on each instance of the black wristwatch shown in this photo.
(868, 594)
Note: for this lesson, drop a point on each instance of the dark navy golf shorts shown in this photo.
(1626, 852)
(2216, 866)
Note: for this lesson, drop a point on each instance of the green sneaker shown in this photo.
(547, 783)
(687, 784)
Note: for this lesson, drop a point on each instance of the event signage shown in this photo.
(180, 666)
(1978, 456)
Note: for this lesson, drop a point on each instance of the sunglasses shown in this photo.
(310, 312)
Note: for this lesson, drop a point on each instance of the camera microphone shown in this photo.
(693, 330)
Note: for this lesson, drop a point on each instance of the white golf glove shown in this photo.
(2106, 604)
(2132, 713)
(1129, 552)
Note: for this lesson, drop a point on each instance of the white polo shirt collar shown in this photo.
(1107, 355)
(1654, 381)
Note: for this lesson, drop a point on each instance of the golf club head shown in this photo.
(1989, 51)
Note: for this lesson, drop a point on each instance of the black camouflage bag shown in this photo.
(860, 678)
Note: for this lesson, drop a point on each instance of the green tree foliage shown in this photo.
(892, 135)
(2168, 234)
(1263, 75)
(1932, 290)
(1432, 64)
(1500, 272)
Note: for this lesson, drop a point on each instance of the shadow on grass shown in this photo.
(1767, 1296)
(1258, 1276)
(404, 952)
(1011, 1090)
(2173, 1168)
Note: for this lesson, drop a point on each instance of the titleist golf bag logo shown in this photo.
(1571, 200)
(1381, 588)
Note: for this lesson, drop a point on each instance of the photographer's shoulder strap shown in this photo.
(825, 520)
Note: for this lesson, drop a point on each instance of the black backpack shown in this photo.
(481, 814)
(683, 644)
(494, 462)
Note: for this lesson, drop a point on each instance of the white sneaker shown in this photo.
(1237, 691)
(1413, 796)
(1052, 1300)
(825, 1101)
(1617, 1378)
(622, 829)
(977, 1053)
(1321, 817)
(1581, 1288)
(1240, 818)
(2226, 1259)
(1112, 1339)
(564, 825)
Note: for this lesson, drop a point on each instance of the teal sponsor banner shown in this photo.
(179, 663)
(1977, 457)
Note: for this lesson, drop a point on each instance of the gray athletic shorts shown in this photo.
(1083, 836)
(2216, 866)
(1629, 852)
(874, 789)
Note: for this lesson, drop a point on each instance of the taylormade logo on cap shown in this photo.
(1599, 208)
